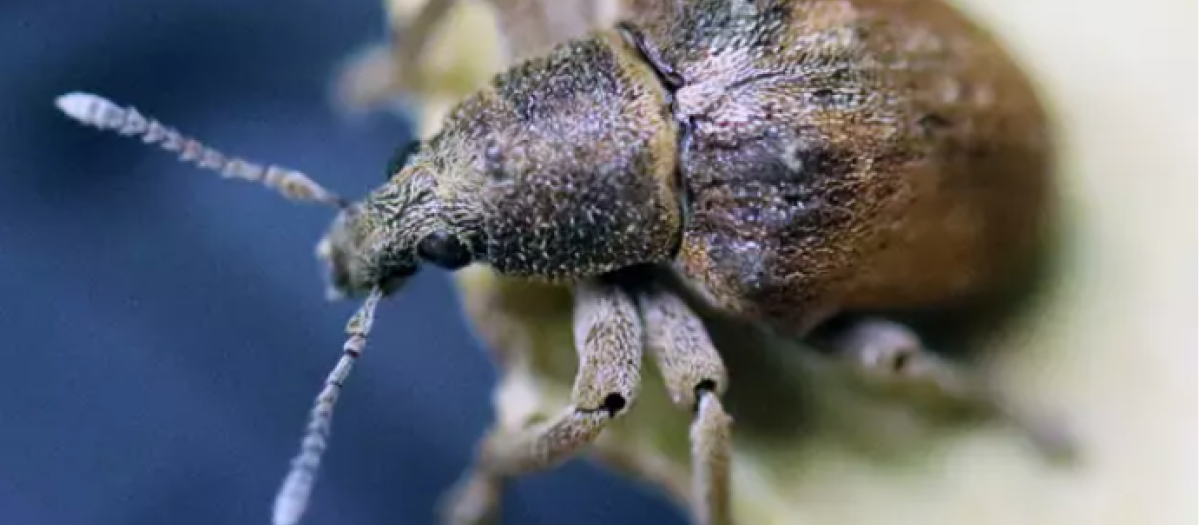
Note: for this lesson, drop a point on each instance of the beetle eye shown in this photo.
(444, 250)
(400, 157)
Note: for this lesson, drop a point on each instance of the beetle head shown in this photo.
(382, 240)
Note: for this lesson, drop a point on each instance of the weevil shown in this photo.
(814, 167)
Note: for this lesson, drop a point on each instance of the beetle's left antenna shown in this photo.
(293, 496)
(102, 113)
(95, 110)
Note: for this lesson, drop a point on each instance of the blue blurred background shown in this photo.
(165, 331)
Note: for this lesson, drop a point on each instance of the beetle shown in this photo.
(815, 168)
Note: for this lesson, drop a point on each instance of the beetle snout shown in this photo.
(337, 272)
(347, 276)
(349, 269)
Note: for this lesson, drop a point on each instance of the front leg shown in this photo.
(890, 358)
(608, 339)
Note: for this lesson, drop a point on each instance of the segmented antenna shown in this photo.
(97, 111)
(293, 496)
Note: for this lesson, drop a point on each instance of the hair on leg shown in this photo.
(891, 358)
(695, 377)
(608, 339)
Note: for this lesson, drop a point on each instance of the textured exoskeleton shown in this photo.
(790, 159)
(821, 168)
(684, 183)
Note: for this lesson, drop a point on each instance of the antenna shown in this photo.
(97, 111)
(293, 496)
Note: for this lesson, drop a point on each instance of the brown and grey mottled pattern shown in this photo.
(847, 154)
(564, 165)
(562, 169)
(834, 155)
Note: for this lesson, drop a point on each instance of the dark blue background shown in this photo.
(164, 331)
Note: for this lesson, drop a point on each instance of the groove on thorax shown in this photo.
(671, 81)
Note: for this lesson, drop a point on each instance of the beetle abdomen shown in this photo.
(848, 154)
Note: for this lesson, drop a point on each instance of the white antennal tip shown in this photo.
(84, 107)
(292, 500)
(97, 111)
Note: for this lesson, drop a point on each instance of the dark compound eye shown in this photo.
(444, 250)
(400, 157)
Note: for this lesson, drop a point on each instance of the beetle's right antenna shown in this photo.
(292, 499)
(95, 110)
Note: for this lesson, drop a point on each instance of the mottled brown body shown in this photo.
(871, 154)
(791, 158)
(574, 154)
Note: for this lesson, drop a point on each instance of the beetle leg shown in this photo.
(695, 378)
(608, 337)
(475, 498)
(890, 357)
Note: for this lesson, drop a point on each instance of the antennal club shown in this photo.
(292, 499)
(97, 111)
